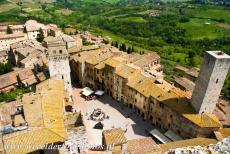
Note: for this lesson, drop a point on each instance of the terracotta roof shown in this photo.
(30, 140)
(99, 57)
(225, 132)
(11, 77)
(192, 72)
(14, 35)
(52, 39)
(142, 146)
(186, 83)
(181, 68)
(146, 59)
(204, 120)
(114, 136)
(33, 25)
(126, 71)
(74, 49)
(8, 109)
(18, 120)
(185, 143)
(112, 62)
(100, 65)
(44, 114)
(147, 87)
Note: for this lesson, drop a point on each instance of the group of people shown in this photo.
(91, 97)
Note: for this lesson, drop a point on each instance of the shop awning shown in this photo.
(158, 135)
(87, 91)
(173, 136)
(99, 92)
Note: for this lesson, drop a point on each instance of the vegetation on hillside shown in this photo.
(178, 32)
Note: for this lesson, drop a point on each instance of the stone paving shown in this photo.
(119, 116)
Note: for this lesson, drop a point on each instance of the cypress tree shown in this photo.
(40, 36)
(9, 30)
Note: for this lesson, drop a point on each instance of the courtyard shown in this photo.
(118, 115)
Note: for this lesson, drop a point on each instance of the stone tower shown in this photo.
(214, 68)
(59, 61)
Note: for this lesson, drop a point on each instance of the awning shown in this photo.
(173, 136)
(158, 135)
(87, 91)
(99, 92)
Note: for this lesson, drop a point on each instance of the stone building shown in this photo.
(58, 61)
(83, 64)
(7, 39)
(28, 53)
(32, 29)
(163, 104)
(214, 68)
(15, 27)
(121, 77)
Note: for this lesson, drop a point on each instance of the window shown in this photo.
(171, 116)
(169, 125)
(144, 106)
(178, 132)
(217, 80)
(151, 117)
(62, 77)
(161, 105)
(60, 51)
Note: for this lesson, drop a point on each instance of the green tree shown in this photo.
(123, 47)
(79, 121)
(9, 30)
(5, 68)
(40, 36)
(132, 50)
(20, 83)
(129, 50)
(116, 44)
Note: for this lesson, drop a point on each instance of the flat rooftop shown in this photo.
(218, 54)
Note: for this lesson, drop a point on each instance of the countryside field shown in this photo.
(178, 32)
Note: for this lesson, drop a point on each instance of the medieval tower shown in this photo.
(59, 61)
(214, 68)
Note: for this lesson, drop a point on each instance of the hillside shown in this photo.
(179, 32)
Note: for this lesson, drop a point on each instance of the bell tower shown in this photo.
(214, 69)
(58, 60)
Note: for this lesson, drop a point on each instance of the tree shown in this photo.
(132, 50)
(79, 121)
(9, 30)
(20, 83)
(123, 47)
(129, 50)
(40, 36)
(116, 44)
(5, 68)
